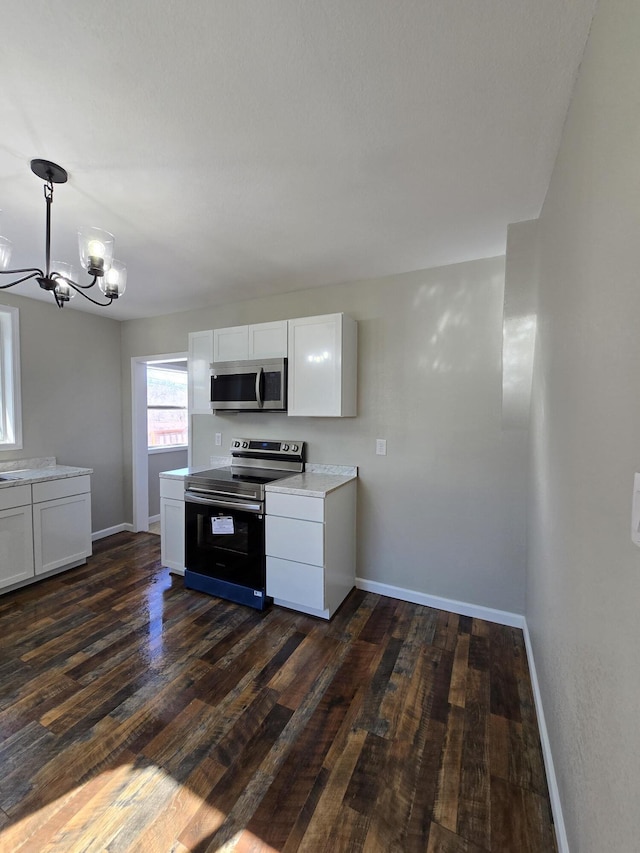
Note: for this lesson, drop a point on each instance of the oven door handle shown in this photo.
(245, 507)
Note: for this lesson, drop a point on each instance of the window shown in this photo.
(10, 404)
(167, 422)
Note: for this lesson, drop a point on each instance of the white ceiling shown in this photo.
(244, 148)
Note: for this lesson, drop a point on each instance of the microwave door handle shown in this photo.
(259, 375)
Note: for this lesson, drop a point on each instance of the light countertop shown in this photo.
(26, 476)
(313, 485)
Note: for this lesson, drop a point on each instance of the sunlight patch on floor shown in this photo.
(121, 808)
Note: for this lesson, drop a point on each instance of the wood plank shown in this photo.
(474, 812)
(458, 686)
(446, 806)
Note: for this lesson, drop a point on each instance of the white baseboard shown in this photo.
(552, 782)
(502, 617)
(154, 518)
(109, 531)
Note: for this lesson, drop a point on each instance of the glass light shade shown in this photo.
(5, 252)
(64, 291)
(96, 250)
(114, 281)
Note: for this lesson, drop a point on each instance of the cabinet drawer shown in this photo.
(173, 489)
(295, 506)
(15, 496)
(292, 539)
(62, 488)
(295, 582)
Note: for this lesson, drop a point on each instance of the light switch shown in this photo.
(218, 439)
(381, 446)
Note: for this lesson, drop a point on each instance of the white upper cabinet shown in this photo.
(323, 366)
(199, 386)
(258, 340)
(268, 340)
(231, 344)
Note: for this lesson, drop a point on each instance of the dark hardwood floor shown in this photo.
(136, 715)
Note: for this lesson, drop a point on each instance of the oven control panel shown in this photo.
(290, 447)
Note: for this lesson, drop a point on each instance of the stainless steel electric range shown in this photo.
(224, 514)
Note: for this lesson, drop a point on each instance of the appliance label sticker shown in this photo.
(222, 524)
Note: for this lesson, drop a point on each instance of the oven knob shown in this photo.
(294, 447)
(245, 444)
(236, 444)
(285, 446)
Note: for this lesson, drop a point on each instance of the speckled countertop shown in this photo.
(23, 472)
(312, 484)
(317, 481)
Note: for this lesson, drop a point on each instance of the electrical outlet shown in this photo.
(381, 446)
(218, 439)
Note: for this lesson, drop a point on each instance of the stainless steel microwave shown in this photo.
(249, 386)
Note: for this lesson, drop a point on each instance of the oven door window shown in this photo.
(235, 555)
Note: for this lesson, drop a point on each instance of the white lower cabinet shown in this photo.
(172, 524)
(44, 527)
(310, 546)
(61, 523)
(16, 535)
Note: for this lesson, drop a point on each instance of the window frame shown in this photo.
(10, 390)
(166, 448)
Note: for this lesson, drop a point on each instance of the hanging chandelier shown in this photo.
(96, 254)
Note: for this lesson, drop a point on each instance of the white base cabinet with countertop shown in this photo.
(172, 524)
(61, 523)
(45, 523)
(16, 535)
(311, 550)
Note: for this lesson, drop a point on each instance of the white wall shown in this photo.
(583, 587)
(72, 397)
(444, 511)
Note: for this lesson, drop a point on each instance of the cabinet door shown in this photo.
(61, 532)
(231, 344)
(200, 357)
(172, 534)
(16, 545)
(322, 366)
(268, 340)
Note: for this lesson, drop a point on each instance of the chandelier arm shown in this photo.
(80, 289)
(32, 274)
(82, 286)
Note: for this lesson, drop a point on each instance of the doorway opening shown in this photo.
(159, 429)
